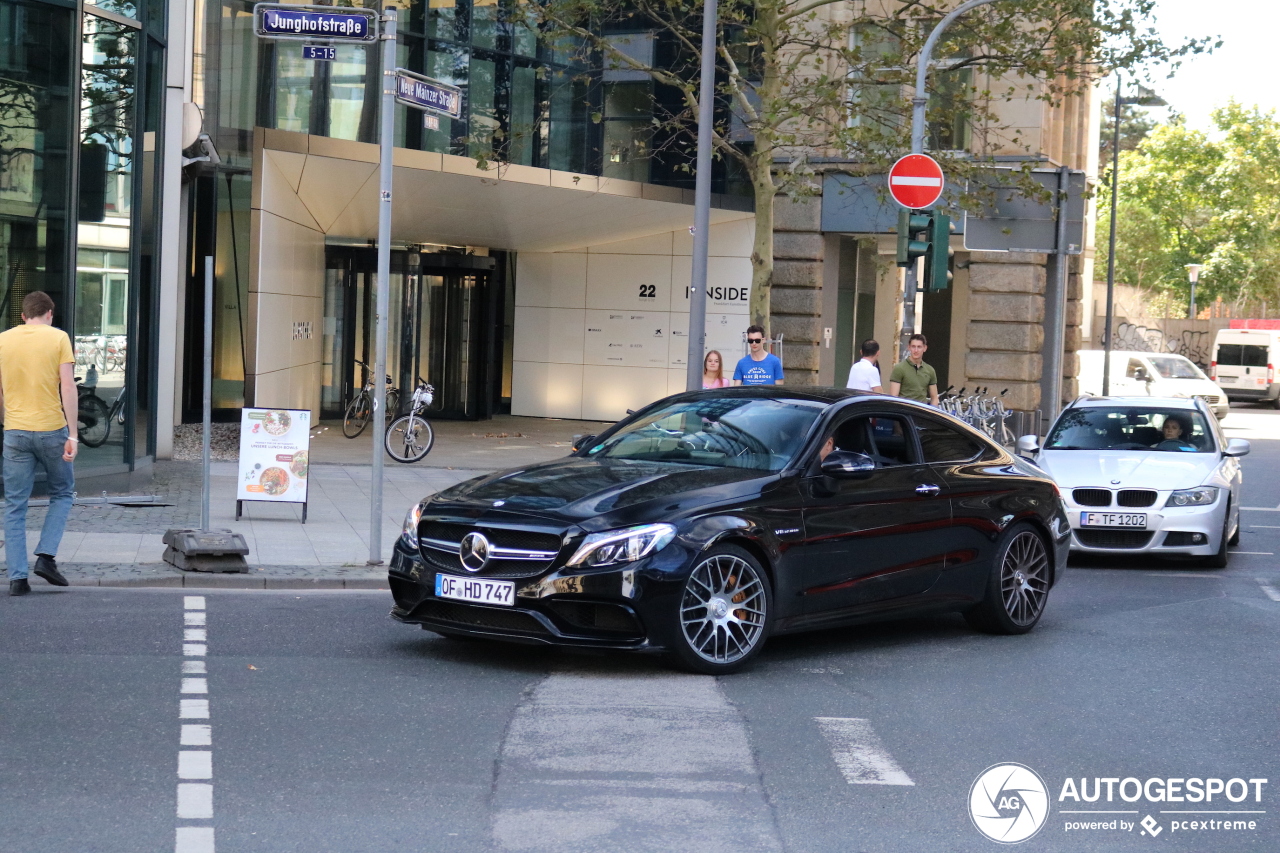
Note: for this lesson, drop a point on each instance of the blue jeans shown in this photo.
(23, 451)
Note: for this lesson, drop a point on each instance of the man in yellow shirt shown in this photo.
(39, 405)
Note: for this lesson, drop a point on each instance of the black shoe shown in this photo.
(19, 587)
(48, 569)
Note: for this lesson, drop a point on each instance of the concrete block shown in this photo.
(797, 273)
(802, 378)
(802, 357)
(794, 300)
(1075, 289)
(1006, 278)
(1008, 366)
(1006, 307)
(798, 245)
(1074, 339)
(796, 328)
(1075, 314)
(1022, 396)
(1035, 258)
(1017, 337)
(803, 214)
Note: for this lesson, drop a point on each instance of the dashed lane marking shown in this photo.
(1271, 592)
(859, 752)
(1255, 553)
(195, 799)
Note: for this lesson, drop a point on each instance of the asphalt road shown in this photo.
(324, 726)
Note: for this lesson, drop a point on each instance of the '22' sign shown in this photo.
(648, 291)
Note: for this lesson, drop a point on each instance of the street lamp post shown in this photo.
(918, 106)
(1142, 99)
(702, 201)
(1193, 275)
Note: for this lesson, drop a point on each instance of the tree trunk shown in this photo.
(762, 248)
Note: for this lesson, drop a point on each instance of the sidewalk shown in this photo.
(109, 545)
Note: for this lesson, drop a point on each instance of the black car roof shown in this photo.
(816, 393)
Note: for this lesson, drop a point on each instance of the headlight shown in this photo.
(1202, 496)
(622, 546)
(409, 535)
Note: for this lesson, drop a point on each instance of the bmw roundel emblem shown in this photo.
(473, 550)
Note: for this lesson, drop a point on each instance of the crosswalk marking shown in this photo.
(642, 762)
(859, 752)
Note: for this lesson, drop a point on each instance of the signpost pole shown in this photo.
(207, 414)
(918, 105)
(1055, 309)
(383, 300)
(702, 200)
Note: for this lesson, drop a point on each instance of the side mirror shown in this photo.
(581, 441)
(1237, 447)
(1028, 445)
(847, 465)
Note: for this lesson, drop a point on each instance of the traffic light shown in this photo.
(937, 260)
(926, 235)
(913, 232)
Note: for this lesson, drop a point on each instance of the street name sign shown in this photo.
(915, 181)
(424, 93)
(315, 23)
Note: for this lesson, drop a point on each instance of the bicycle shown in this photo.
(95, 416)
(360, 409)
(410, 437)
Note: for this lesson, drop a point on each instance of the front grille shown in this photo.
(480, 617)
(1136, 497)
(1211, 399)
(495, 568)
(525, 540)
(1091, 497)
(1114, 538)
(597, 617)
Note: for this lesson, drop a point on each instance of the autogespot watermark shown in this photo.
(1010, 803)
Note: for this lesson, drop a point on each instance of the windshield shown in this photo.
(1176, 367)
(1102, 428)
(723, 432)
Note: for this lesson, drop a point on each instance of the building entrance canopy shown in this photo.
(331, 186)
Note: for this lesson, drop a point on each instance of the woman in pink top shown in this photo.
(713, 371)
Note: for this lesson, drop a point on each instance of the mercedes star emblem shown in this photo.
(473, 550)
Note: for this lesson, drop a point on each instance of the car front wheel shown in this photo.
(725, 612)
(1017, 587)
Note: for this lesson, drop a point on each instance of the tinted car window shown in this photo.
(1242, 355)
(729, 432)
(883, 438)
(941, 442)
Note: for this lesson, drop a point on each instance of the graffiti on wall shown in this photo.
(1196, 345)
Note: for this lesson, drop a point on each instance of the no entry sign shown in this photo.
(915, 181)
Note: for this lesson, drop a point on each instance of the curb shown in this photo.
(236, 582)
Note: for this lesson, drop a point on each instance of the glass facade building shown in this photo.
(80, 119)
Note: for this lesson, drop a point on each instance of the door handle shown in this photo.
(927, 489)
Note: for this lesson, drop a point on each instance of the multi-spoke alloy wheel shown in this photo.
(1024, 579)
(724, 612)
(1018, 586)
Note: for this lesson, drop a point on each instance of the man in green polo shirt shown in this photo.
(911, 377)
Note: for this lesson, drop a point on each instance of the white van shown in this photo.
(1150, 374)
(1243, 362)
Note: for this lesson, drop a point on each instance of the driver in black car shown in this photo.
(1174, 429)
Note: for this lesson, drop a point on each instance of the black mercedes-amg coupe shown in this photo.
(708, 521)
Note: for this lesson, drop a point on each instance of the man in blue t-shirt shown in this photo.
(758, 367)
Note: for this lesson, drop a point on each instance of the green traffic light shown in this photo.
(912, 229)
(937, 259)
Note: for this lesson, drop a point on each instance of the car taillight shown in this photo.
(1213, 370)
(1271, 373)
